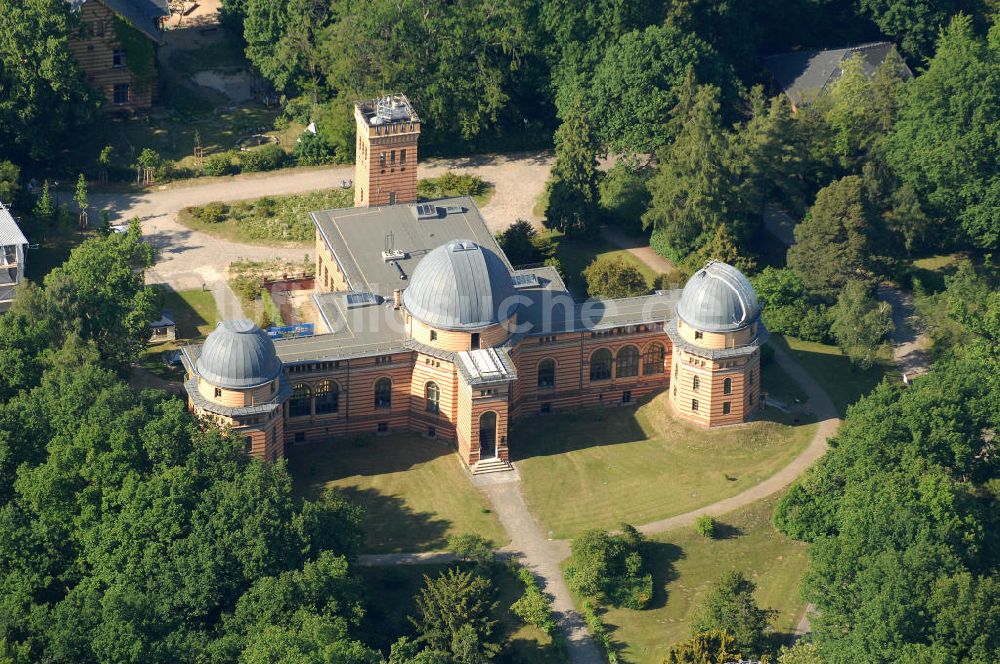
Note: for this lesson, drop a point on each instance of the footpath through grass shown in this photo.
(597, 468)
(686, 564)
(414, 491)
(390, 600)
(832, 370)
(265, 220)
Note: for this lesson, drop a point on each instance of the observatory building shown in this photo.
(424, 325)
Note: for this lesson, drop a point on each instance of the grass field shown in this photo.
(195, 314)
(685, 565)
(390, 593)
(833, 371)
(415, 492)
(597, 468)
(575, 255)
(269, 219)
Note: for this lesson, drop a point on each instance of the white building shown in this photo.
(12, 253)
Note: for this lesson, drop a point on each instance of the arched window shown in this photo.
(433, 393)
(547, 373)
(727, 386)
(488, 435)
(627, 362)
(383, 393)
(301, 402)
(600, 364)
(653, 358)
(695, 383)
(327, 398)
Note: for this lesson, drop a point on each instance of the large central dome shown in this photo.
(238, 355)
(718, 298)
(460, 286)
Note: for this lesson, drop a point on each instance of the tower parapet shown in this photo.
(388, 130)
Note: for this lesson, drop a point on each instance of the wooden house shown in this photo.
(115, 43)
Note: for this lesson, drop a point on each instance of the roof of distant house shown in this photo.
(10, 233)
(804, 73)
(143, 15)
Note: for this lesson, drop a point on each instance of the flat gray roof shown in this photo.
(357, 237)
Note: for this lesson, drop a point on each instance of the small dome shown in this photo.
(238, 355)
(718, 298)
(459, 286)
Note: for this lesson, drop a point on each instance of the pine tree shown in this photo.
(572, 189)
(45, 207)
(691, 192)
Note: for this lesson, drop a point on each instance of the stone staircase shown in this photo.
(493, 465)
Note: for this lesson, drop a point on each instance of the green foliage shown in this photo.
(282, 218)
(452, 184)
(220, 163)
(45, 207)
(45, 97)
(150, 158)
(730, 607)
(705, 526)
(842, 238)
(10, 182)
(947, 117)
(80, 194)
(624, 196)
(313, 150)
(913, 23)
(860, 324)
(211, 213)
(788, 307)
(140, 52)
(524, 246)
(571, 191)
(607, 278)
(609, 568)
(449, 606)
(803, 652)
(633, 88)
(708, 647)
(676, 278)
(472, 548)
(599, 631)
(266, 158)
(533, 607)
(901, 501)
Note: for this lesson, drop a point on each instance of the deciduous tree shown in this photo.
(614, 278)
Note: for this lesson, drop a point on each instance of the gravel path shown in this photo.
(638, 248)
(909, 347)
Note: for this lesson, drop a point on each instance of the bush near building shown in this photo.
(609, 568)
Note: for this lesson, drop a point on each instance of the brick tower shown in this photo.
(386, 159)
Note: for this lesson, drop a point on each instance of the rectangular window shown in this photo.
(694, 404)
(434, 335)
(402, 156)
(627, 396)
(392, 157)
(218, 392)
(698, 335)
(432, 432)
(118, 58)
(382, 427)
(474, 343)
(381, 160)
(121, 94)
(726, 407)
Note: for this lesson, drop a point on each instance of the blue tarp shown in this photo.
(291, 331)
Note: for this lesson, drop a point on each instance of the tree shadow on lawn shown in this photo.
(660, 557)
(725, 531)
(391, 526)
(581, 429)
(314, 464)
(186, 317)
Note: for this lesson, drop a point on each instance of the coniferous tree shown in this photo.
(572, 187)
(451, 602)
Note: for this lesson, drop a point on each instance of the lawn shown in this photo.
(576, 254)
(390, 593)
(931, 270)
(415, 492)
(832, 370)
(597, 468)
(194, 311)
(268, 219)
(54, 247)
(685, 565)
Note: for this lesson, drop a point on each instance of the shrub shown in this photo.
(472, 548)
(266, 158)
(523, 245)
(610, 568)
(313, 150)
(150, 158)
(788, 306)
(705, 526)
(219, 164)
(211, 213)
(452, 184)
(676, 278)
(533, 607)
(614, 278)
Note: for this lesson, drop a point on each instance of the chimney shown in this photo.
(397, 298)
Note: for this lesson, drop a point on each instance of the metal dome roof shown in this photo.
(238, 355)
(718, 298)
(460, 285)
